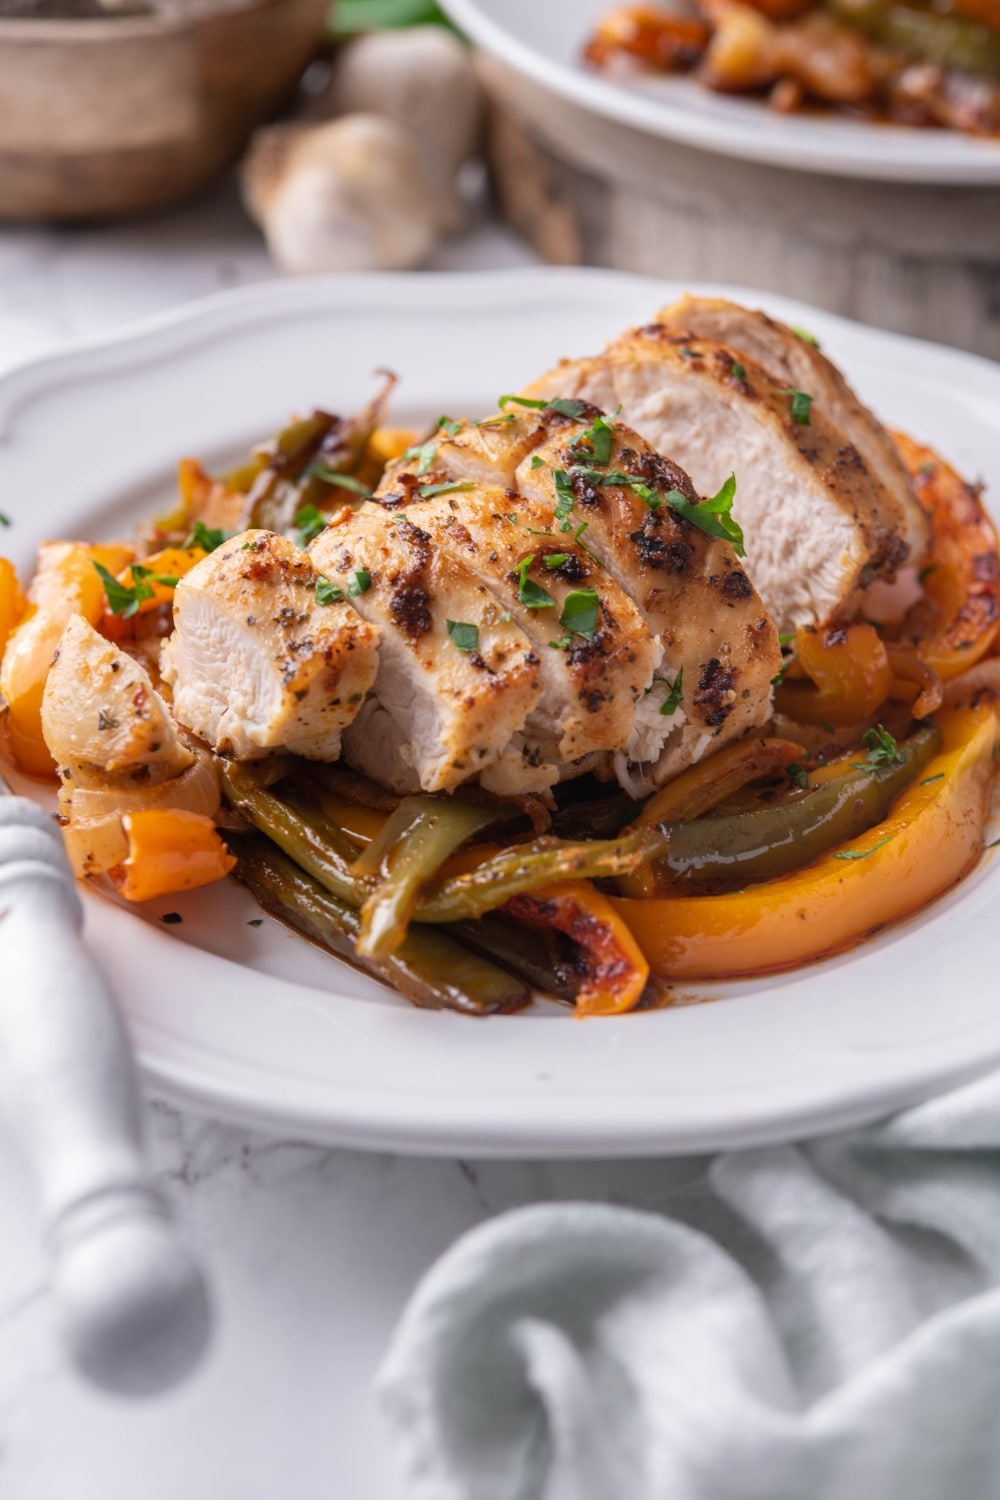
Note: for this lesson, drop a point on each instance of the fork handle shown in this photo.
(129, 1295)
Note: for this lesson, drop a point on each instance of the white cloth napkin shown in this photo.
(818, 1322)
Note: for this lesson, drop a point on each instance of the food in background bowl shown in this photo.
(908, 63)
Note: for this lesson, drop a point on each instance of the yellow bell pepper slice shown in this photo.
(933, 834)
(169, 851)
(65, 583)
(12, 602)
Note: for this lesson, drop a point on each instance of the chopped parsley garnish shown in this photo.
(504, 416)
(672, 701)
(882, 749)
(124, 599)
(629, 481)
(256, 922)
(714, 516)
(360, 583)
(579, 613)
(595, 443)
(784, 641)
(448, 425)
(536, 462)
(463, 637)
(428, 491)
(805, 335)
(565, 498)
(797, 775)
(864, 853)
(339, 481)
(511, 516)
(171, 918)
(993, 844)
(423, 454)
(827, 726)
(309, 522)
(327, 592)
(801, 405)
(737, 371)
(563, 643)
(208, 538)
(926, 572)
(928, 779)
(4, 520)
(564, 405)
(531, 594)
(555, 559)
(253, 545)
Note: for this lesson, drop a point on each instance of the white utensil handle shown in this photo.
(129, 1295)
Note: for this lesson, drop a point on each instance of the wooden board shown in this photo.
(586, 190)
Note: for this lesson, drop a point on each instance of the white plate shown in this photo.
(543, 39)
(255, 1023)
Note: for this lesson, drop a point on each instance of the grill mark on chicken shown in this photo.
(410, 602)
(664, 553)
(716, 693)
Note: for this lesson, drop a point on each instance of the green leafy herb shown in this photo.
(536, 462)
(122, 598)
(805, 335)
(428, 491)
(207, 537)
(554, 560)
(423, 454)
(309, 522)
(737, 371)
(993, 844)
(926, 572)
(504, 416)
(864, 853)
(565, 406)
(171, 918)
(638, 487)
(565, 498)
(256, 922)
(253, 545)
(595, 443)
(714, 516)
(563, 643)
(529, 593)
(801, 405)
(360, 583)
(339, 481)
(327, 592)
(448, 425)
(784, 641)
(579, 613)
(672, 701)
(928, 779)
(825, 724)
(463, 637)
(4, 520)
(797, 775)
(787, 638)
(882, 749)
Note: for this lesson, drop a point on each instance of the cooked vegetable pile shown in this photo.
(914, 62)
(544, 702)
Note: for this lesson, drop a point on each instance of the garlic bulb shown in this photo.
(350, 195)
(423, 77)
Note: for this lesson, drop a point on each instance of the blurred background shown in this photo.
(155, 150)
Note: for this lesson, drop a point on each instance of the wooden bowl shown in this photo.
(111, 115)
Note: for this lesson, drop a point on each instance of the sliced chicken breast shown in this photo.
(259, 662)
(457, 678)
(719, 648)
(819, 527)
(103, 721)
(597, 656)
(796, 362)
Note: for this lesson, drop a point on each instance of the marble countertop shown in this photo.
(313, 1252)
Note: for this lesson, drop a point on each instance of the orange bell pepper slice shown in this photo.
(615, 971)
(65, 583)
(171, 562)
(12, 602)
(850, 670)
(169, 851)
(932, 836)
(958, 620)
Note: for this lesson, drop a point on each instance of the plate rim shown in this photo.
(657, 117)
(443, 1126)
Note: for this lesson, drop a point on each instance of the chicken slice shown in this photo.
(795, 362)
(689, 588)
(819, 527)
(257, 664)
(103, 721)
(456, 679)
(592, 678)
